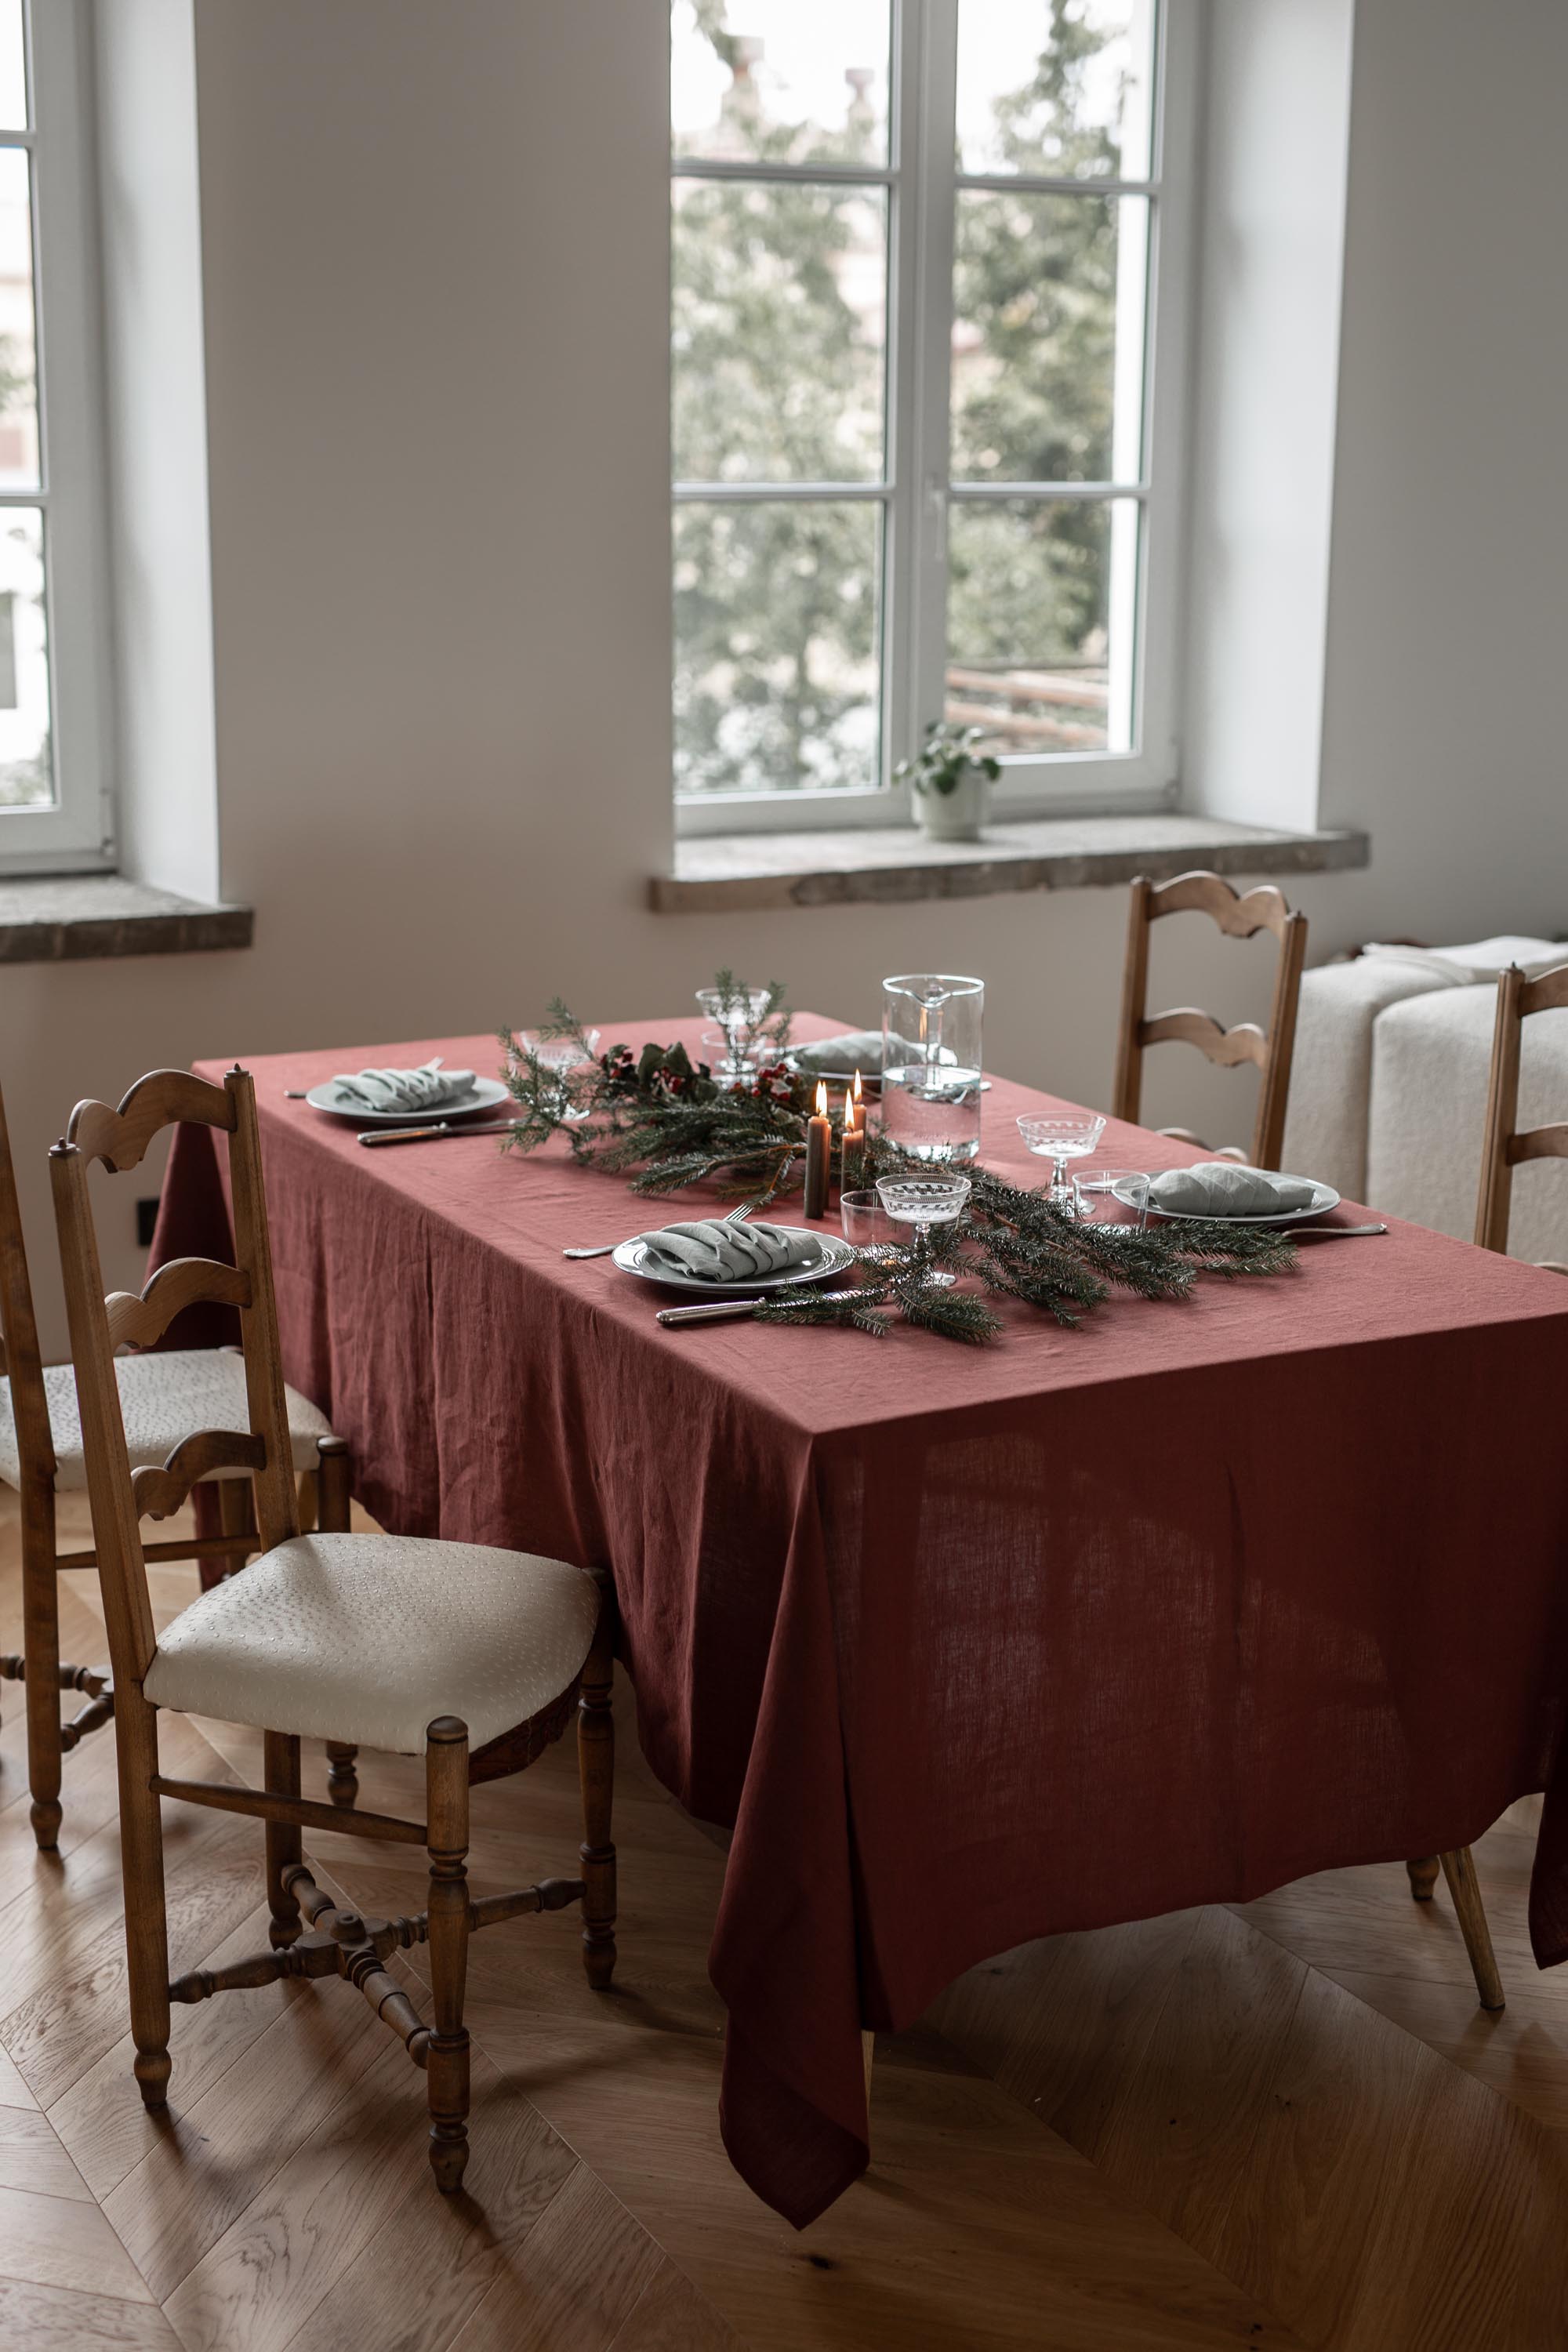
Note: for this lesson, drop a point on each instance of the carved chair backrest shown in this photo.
(19, 1356)
(1239, 916)
(1502, 1146)
(121, 1499)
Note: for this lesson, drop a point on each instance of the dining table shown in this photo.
(966, 1645)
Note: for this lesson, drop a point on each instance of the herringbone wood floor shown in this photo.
(1285, 2126)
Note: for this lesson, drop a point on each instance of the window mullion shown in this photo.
(927, 348)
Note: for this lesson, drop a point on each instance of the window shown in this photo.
(54, 736)
(925, 254)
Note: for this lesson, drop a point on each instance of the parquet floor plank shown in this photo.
(59, 2319)
(573, 2282)
(32, 2155)
(101, 2118)
(434, 2259)
(60, 2241)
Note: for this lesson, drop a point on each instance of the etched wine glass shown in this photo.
(1060, 1136)
(925, 1202)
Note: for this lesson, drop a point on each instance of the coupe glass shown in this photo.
(925, 1202)
(738, 1017)
(1061, 1136)
(1111, 1196)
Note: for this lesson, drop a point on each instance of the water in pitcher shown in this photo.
(931, 1110)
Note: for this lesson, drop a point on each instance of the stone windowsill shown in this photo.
(68, 918)
(731, 873)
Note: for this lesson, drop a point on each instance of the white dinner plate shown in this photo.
(484, 1093)
(1324, 1198)
(631, 1258)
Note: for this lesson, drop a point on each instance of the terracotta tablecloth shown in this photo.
(968, 1645)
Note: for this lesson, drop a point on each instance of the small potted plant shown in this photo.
(951, 781)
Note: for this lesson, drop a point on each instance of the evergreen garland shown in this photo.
(667, 1122)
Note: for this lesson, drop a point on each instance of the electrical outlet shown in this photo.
(146, 1218)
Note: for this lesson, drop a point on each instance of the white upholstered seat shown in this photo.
(163, 1398)
(367, 1638)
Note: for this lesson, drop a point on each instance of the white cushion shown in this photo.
(162, 1399)
(367, 1638)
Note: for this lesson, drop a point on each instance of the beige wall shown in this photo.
(434, 278)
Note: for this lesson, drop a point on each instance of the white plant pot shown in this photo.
(957, 815)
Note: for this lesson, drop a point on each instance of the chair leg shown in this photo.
(142, 1863)
(333, 1483)
(41, 1644)
(446, 2058)
(1459, 1872)
(281, 1758)
(596, 1776)
(1423, 1877)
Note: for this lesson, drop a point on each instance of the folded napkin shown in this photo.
(1220, 1188)
(857, 1049)
(419, 1089)
(714, 1251)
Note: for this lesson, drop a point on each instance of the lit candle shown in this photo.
(819, 1154)
(852, 1160)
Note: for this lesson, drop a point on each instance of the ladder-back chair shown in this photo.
(1238, 918)
(1502, 1147)
(163, 1398)
(475, 1657)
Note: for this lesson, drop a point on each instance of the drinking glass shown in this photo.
(867, 1225)
(925, 1202)
(740, 1016)
(1111, 1196)
(562, 1055)
(931, 1064)
(1061, 1136)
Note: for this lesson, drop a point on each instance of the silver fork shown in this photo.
(736, 1216)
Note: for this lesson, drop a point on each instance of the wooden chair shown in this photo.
(477, 1657)
(163, 1398)
(1260, 910)
(1502, 1148)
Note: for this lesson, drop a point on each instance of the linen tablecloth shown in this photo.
(968, 1646)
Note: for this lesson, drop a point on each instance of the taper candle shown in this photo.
(818, 1154)
(852, 1150)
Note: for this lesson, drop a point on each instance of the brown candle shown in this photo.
(852, 1150)
(819, 1154)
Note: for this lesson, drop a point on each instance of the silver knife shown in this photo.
(1331, 1232)
(722, 1308)
(436, 1132)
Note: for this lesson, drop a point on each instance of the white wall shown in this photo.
(1264, 394)
(432, 249)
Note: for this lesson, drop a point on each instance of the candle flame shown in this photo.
(857, 1093)
(821, 1098)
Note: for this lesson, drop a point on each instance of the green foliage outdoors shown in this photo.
(776, 378)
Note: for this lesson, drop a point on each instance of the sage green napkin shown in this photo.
(712, 1250)
(857, 1049)
(419, 1089)
(1221, 1187)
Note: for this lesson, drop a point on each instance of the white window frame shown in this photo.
(77, 833)
(915, 491)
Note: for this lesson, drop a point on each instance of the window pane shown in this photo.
(18, 377)
(792, 80)
(779, 320)
(1041, 612)
(13, 67)
(26, 767)
(776, 640)
(1048, 336)
(1062, 88)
